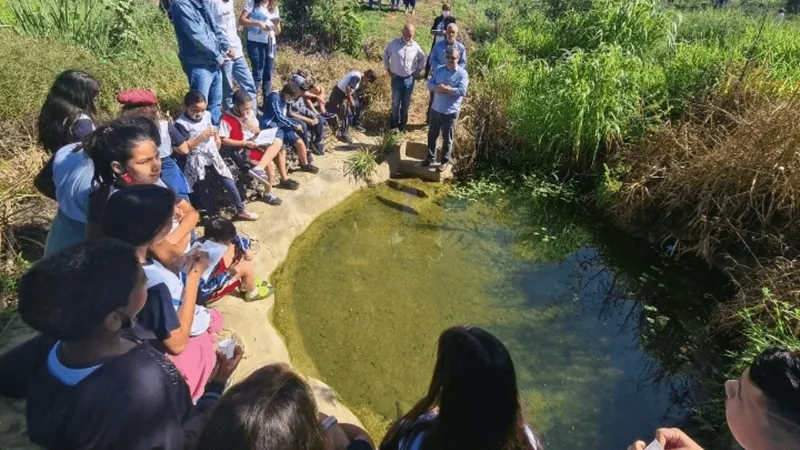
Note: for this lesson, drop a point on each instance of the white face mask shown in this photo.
(445, 13)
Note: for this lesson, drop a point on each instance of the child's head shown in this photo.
(272, 409)
(194, 105)
(73, 93)
(125, 149)
(138, 103)
(139, 215)
(84, 291)
(242, 103)
(370, 76)
(220, 230)
(291, 92)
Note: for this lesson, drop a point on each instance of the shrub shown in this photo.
(361, 166)
(107, 27)
(570, 111)
(693, 73)
(635, 25)
(332, 24)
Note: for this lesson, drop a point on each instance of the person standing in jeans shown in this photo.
(449, 86)
(202, 49)
(263, 22)
(403, 60)
(235, 67)
(437, 56)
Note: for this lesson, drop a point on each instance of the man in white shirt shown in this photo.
(235, 66)
(403, 60)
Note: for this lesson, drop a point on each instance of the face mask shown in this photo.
(445, 14)
(194, 117)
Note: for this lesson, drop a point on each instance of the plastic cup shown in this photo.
(655, 445)
(228, 346)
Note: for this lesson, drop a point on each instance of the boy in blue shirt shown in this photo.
(276, 115)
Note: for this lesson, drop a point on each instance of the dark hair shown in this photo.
(219, 229)
(370, 76)
(272, 409)
(136, 214)
(474, 385)
(776, 372)
(73, 93)
(67, 295)
(291, 89)
(131, 111)
(240, 97)
(445, 7)
(193, 97)
(115, 142)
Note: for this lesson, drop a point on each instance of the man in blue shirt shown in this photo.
(438, 50)
(449, 86)
(202, 49)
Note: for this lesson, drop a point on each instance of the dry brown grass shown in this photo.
(24, 212)
(723, 182)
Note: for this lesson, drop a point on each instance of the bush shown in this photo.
(361, 166)
(693, 73)
(333, 25)
(634, 25)
(570, 111)
(106, 27)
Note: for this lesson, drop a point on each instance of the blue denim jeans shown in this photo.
(172, 176)
(238, 70)
(402, 87)
(263, 64)
(207, 80)
(395, 3)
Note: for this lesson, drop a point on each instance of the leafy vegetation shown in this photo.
(361, 166)
(331, 25)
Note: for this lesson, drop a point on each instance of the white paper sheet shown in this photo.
(215, 253)
(266, 137)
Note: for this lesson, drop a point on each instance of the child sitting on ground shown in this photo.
(235, 270)
(312, 122)
(276, 111)
(238, 128)
(204, 160)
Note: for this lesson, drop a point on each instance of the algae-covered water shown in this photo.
(368, 288)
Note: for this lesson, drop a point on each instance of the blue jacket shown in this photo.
(200, 40)
(438, 54)
(275, 112)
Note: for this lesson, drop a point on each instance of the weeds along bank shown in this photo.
(683, 121)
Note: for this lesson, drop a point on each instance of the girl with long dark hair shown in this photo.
(472, 403)
(66, 119)
(274, 409)
(68, 113)
(126, 153)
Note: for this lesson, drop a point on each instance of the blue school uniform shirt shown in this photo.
(73, 171)
(164, 292)
(276, 112)
(456, 79)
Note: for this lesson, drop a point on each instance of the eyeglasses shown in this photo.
(452, 59)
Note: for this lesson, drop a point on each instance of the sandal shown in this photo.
(264, 291)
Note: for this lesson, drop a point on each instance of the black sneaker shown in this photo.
(272, 199)
(317, 149)
(310, 168)
(426, 163)
(346, 138)
(359, 128)
(289, 184)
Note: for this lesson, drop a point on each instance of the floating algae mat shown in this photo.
(368, 288)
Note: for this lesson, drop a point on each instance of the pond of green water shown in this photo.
(368, 288)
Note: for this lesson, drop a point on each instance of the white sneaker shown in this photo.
(259, 175)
